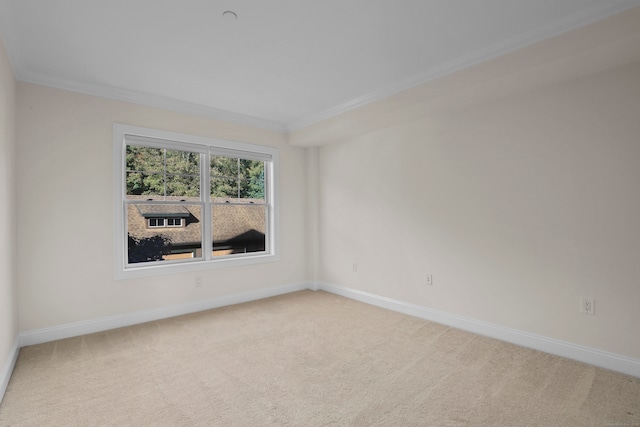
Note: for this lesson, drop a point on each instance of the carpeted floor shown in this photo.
(307, 359)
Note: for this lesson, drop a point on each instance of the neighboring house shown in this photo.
(238, 226)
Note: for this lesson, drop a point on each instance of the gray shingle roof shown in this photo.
(165, 211)
(239, 219)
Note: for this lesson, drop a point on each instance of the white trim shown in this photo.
(523, 40)
(156, 137)
(313, 286)
(7, 369)
(75, 329)
(555, 28)
(603, 359)
(592, 356)
(156, 101)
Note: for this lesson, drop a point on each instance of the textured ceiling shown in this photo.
(282, 64)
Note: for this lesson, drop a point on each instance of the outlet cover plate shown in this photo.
(587, 306)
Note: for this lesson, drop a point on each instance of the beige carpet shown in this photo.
(307, 359)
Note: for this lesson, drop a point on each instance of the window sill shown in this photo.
(159, 268)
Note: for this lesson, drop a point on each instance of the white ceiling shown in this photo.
(283, 64)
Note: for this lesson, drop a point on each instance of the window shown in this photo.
(164, 222)
(184, 202)
(173, 222)
(156, 222)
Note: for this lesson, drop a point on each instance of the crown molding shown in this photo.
(149, 100)
(526, 39)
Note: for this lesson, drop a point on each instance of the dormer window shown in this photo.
(164, 222)
(163, 216)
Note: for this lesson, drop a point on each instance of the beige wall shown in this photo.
(517, 206)
(513, 182)
(65, 184)
(8, 285)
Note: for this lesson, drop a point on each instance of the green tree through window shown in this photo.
(159, 172)
(237, 178)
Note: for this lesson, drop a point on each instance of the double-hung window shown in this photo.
(184, 202)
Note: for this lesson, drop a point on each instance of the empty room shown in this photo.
(350, 213)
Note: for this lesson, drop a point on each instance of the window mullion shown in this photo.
(269, 203)
(238, 177)
(164, 172)
(205, 185)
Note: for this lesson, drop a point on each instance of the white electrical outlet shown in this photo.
(354, 267)
(198, 281)
(588, 306)
(429, 280)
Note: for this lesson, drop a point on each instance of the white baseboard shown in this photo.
(112, 322)
(603, 359)
(612, 361)
(7, 369)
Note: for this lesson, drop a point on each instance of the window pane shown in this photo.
(183, 174)
(237, 178)
(237, 190)
(185, 187)
(224, 188)
(174, 222)
(160, 244)
(238, 228)
(145, 184)
(249, 169)
(252, 189)
(224, 167)
(156, 222)
(182, 162)
(145, 159)
(162, 174)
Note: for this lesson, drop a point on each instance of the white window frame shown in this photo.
(179, 141)
(165, 222)
(169, 220)
(149, 220)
